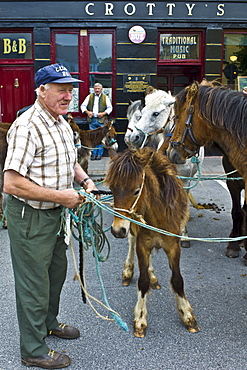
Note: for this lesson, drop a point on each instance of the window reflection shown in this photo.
(100, 53)
(67, 51)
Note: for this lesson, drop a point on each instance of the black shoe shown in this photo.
(93, 157)
(51, 360)
(98, 157)
(65, 331)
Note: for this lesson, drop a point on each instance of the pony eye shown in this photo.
(137, 191)
(155, 114)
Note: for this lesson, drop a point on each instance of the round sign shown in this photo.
(137, 34)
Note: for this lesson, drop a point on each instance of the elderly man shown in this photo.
(39, 171)
(96, 106)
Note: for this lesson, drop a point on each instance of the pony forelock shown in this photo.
(159, 97)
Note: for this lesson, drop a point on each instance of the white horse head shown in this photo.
(144, 122)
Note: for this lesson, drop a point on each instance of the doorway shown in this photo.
(176, 78)
(16, 90)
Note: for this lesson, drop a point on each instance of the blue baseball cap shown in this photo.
(54, 73)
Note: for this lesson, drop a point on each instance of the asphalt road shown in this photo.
(215, 286)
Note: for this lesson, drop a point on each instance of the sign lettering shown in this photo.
(179, 46)
(131, 9)
(15, 45)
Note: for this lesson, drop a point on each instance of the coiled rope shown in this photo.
(91, 234)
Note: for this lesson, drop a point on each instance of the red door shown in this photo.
(16, 90)
(176, 78)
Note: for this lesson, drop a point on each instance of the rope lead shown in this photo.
(91, 234)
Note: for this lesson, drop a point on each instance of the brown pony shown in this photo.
(105, 135)
(145, 186)
(214, 114)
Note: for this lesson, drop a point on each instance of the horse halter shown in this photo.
(188, 130)
(131, 211)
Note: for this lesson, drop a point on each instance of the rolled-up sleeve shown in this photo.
(85, 104)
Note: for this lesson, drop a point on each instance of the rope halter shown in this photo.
(131, 211)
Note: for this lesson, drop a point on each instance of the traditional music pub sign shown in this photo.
(179, 46)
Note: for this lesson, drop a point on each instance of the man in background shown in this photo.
(96, 106)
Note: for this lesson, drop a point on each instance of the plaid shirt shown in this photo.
(42, 150)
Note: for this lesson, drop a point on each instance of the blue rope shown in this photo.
(91, 234)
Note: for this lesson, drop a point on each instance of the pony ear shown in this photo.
(192, 91)
(106, 122)
(204, 82)
(111, 122)
(112, 153)
(130, 101)
(169, 100)
(142, 102)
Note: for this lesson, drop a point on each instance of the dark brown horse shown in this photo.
(145, 186)
(214, 114)
(105, 135)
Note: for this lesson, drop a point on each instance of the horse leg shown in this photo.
(177, 284)
(244, 232)
(153, 279)
(140, 311)
(233, 247)
(128, 268)
(185, 243)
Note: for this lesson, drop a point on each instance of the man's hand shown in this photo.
(71, 198)
(102, 114)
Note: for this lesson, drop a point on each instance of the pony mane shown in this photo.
(220, 107)
(131, 163)
(224, 108)
(123, 165)
(137, 104)
(157, 97)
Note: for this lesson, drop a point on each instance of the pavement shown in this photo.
(210, 165)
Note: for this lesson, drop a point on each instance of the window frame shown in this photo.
(198, 61)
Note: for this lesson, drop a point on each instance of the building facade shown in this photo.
(123, 45)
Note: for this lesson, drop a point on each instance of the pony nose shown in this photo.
(120, 233)
(175, 157)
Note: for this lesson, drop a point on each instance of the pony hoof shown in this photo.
(194, 329)
(126, 282)
(155, 285)
(140, 333)
(245, 259)
(185, 243)
(231, 253)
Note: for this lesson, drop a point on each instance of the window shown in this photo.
(88, 55)
(234, 58)
(101, 57)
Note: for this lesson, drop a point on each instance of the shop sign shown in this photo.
(135, 82)
(137, 34)
(179, 46)
(15, 46)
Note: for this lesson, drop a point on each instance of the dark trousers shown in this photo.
(40, 265)
(99, 149)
